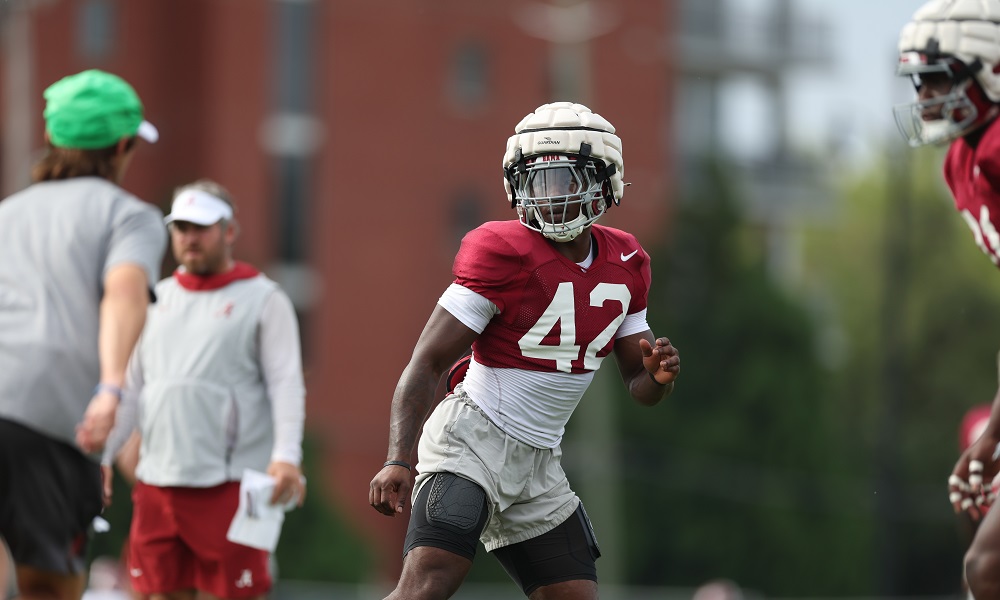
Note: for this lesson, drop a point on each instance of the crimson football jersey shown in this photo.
(973, 175)
(554, 315)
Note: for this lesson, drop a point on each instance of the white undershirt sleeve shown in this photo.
(281, 366)
(473, 310)
(633, 323)
(127, 415)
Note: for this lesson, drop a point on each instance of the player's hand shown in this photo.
(390, 489)
(661, 359)
(289, 483)
(92, 432)
(969, 485)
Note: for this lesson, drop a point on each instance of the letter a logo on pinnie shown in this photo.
(625, 257)
(245, 580)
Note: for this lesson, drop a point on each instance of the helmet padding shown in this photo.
(567, 128)
(968, 30)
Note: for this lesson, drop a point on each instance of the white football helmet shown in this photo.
(562, 169)
(958, 40)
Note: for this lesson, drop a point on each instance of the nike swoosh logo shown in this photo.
(625, 257)
(135, 572)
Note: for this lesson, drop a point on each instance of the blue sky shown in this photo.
(851, 97)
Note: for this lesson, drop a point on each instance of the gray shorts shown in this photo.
(526, 486)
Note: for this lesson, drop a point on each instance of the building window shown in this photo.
(467, 84)
(292, 136)
(97, 25)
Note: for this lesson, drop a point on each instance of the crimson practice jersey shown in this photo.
(973, 174)
(554, 314)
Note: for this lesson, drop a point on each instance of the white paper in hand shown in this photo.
(258, 522)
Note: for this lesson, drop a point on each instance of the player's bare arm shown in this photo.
(649, 366)
(443, 340)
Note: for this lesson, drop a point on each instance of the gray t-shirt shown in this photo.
(57, 242)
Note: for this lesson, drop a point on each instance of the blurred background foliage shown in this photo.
(806, 448)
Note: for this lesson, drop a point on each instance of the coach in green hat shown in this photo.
(92, 120)
(78, 255)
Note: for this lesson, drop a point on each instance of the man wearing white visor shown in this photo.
(214, 387)
(200, 208)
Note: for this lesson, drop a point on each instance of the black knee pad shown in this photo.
(567, 553)
(449, 513)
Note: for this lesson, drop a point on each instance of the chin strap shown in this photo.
(508, 173)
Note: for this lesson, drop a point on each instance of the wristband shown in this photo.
(108, 388)
(397, 463)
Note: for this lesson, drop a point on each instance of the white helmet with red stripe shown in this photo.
(956, 40)
(563, 169)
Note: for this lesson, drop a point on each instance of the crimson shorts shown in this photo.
(178, 542)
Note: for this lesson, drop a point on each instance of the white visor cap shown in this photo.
(198, 207)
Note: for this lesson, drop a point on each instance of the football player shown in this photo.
(951, 51)
(542, 300)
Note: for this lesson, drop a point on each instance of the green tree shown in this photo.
(914, 302)
(742, 473)
(316, 543)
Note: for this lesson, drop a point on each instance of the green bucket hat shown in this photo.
(94, 109)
